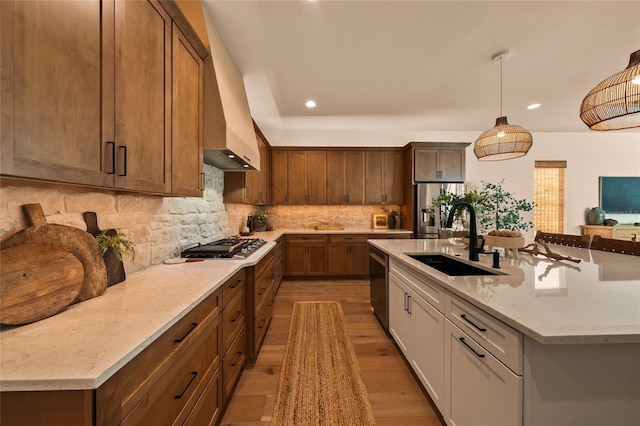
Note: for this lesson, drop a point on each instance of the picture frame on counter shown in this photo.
(380, 221)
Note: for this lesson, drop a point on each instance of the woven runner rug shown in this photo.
(320, 381)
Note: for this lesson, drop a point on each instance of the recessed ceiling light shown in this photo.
(310, 104)
(533, 106)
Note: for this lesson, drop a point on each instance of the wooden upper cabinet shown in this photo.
(345, 177)
(52, 110)
(142, 105)
(87, 95)
(383, 177)
(434, 165)
(279, 194)
(187, 118)
(306, 175)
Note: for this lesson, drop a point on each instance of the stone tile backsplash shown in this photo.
(160, 227)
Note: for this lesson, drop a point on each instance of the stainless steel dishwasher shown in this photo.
(379, 289)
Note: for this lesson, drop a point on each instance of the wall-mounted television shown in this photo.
(620, 195)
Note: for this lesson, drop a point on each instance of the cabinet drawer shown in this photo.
(306, 238)
(233, 318)
(232, 364)
(348, 238)
(232, 286)
(499, 339)
(175, 390)
(429, 291)
(479, 389)
(209, 406)
(118, 395)
(626, 234)
(262, 321)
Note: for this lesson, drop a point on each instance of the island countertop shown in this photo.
(560, 302)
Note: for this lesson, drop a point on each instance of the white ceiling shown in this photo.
(411, 69)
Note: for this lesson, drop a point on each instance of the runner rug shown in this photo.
(320, 381)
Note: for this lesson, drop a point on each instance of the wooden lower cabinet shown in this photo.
(306, 255)
(161, 382)
(278, 263)
(348, 255)
(260, 300)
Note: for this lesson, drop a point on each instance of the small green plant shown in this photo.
(118, 244)
(446, 200)
(261, 215)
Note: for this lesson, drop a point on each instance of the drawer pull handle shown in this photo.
(271, 302)
(193, 327)
(194, 374)
(409, 304)
(124, 149)
(464, 317)
(237, 283)
(405, 302)
(238, 313)
(470, 348)
(261, 292)
(113, 158)
(262, 323)
(234, 363)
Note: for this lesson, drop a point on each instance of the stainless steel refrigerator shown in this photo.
(428, 218)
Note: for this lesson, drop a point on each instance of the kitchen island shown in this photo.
(541, 343)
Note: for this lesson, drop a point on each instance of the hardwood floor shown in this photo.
(395, 396)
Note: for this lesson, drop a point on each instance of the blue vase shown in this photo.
(595, 216)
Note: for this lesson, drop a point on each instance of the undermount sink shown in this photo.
(450, 266)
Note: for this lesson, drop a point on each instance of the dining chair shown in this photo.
(615, 246)
(563, 239)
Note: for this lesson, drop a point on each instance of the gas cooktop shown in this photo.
(227, 248)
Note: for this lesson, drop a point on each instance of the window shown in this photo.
(549, 196)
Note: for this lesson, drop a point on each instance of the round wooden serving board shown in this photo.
(36, 282)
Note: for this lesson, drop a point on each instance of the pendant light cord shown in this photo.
(501, 86)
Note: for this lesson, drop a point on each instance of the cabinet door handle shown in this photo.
(124, 149)
(286, 198)
(193, 327)
(409, 304)
(234, 363)
(470, 348)
(347, 198)
(464, 317)
(405, 302)
(439, 173)
(271, 302)
(238, 313)
(203, 181)
(113, 158)
(194, 374)
(236, 284)
(261, 323)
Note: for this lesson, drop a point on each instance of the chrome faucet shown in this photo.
(474, 250)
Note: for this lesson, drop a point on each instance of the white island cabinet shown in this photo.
(418, 329)
(541, 343)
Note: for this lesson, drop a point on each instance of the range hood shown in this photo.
(229, 137)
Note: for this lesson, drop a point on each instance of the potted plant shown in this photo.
(502, 210)
(259, 219)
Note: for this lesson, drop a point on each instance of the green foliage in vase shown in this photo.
(446, 200)
(261, 215)
(502, 210)
(118, 243)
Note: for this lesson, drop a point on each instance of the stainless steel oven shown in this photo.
(379, 288)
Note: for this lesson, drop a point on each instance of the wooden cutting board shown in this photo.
(115, 268)
(36, 282)
(76, 241)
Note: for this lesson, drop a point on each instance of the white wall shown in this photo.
(588, 156)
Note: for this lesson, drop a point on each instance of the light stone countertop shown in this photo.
(560, 302)
(83, 346)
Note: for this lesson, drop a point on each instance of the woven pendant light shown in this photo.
(615, 103)
(504, 141)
